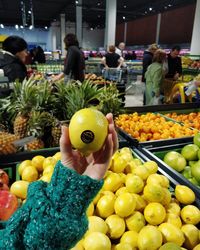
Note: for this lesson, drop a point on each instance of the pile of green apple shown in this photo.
(187, 162)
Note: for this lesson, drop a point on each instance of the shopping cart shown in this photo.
(112, 74)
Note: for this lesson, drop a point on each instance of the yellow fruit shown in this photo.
(125, 204)
(30, 174)
(97, 224)
(140, 202)
(49, 161)
(151, 166)
(49, 169)
(149, 238)
(116, 226)
(123, 246)
(57, 156)
(88, 137)
(108, 193)
(197, 247)
(112, 182)
(126, 150)
(121, 190)
(118, 164)
(105, 206)
(157, 179)
(90, 209)
(96, 241)
(130, 237)
(131, 165)
(97, 197)
(23, 165)
(141, 171)
(135, 222)
(167, 197)
(134, 183)
(191, 234)
(37, 162)
(190, 215)
(170, 246)
(171, 233)
(184, 194)
(153, 193)
(154, 213)
(46, 177)
(123, 177)
(173, 219)
(19, 188)
(174, 208)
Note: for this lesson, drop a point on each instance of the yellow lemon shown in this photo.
(173, 219)
(135, 222)
(171, 233)
(154, 213)
(190, 215)
(90, 209)
(130, 237)
(97, 197)
(105, 206)
(158, 179)
(112, 182)
(174, 208)
(123, 177)
(118, 165)
(116, 226)
(49, 169)
(96, 241)
(123, 246)
(141, 171)
(197, 247)
(149, 238)
(151, 166)
(97, 224)
(170, 246)
(37, 162)
(88, 137)
(167, 197)
(153, 193)
(131, 165)
(23, 165)
(191, 234)
(30, 174)
(57, 156)
(49, 161)
(121, 190)
(79, 246)
(140, 202)
(134, 183)
(46, 177)
(125, 204)
(184, 194)
(19, 188)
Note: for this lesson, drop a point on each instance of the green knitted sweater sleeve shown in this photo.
(54, 215)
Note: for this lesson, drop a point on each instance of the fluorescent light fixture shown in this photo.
(124, 17)
(2, 26)
(29, 12)
(17, 26)
(150, 8)
(46, 27)
(21, 26)
(31, 27)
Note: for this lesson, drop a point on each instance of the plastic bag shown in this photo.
(156, 100)
(137, 88)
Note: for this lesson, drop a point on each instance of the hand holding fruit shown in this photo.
(96, 163)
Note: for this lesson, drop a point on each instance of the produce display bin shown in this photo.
(157, 154)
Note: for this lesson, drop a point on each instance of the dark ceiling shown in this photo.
(46, 11)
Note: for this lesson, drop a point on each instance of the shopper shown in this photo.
(75, 62)
(54, 215)
(13, 58)
(112, 59)
(174, 63)
(147, 58)
(39, 56)
(119, 50)
(154, 77)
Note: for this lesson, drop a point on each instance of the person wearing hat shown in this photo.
(12, 58)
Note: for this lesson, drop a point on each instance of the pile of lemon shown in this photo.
(39, 168)
(135, 210)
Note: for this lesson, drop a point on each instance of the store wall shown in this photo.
(35, 36)
(176, 27)
(120, 29)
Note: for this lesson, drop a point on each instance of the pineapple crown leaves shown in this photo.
(38, 122)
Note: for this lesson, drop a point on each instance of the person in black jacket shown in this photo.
(13, 57)
(174, 63)
(147, 58)
(75, 62)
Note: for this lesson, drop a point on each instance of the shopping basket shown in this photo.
(112, 74)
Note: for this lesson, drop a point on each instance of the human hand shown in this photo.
(96, 164)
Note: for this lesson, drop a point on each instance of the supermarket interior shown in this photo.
(100, 125)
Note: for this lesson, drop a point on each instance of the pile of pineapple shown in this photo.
(39, 108)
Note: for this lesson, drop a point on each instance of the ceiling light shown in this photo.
(169, 5)
(98, 4)
(2, 26)
(76, 2)
(17, 26)
(30, 27)
(91, 28)
(124, 17)
(46, 27)
(21, 26)
(124, 6)
(29, 12)
(150, 8)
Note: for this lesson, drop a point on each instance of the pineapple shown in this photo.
(56, 133)
(6, 143)
(37, 125)
(25, 98)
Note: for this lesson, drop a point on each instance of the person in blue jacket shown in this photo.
(54, 215)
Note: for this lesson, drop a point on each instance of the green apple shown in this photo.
(191, 163)
(187, 172)
(194, 181)
(196, 140)
(195, 170)
(175, 160)
(190, 152)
